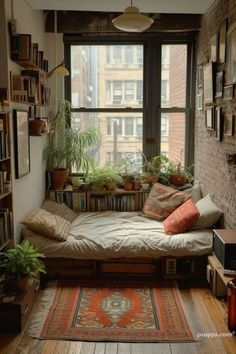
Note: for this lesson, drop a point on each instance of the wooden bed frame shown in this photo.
(127, 269)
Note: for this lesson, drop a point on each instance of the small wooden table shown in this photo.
(14, 314)
(218, 281)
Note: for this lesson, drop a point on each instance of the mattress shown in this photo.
(105, 235)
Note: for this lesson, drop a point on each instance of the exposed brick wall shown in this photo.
(211, 168)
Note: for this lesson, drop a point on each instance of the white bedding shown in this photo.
(103, 235)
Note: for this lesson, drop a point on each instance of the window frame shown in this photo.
(152, 66)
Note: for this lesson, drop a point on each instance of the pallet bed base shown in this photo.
(127, 269)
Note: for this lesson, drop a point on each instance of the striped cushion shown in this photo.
(162, 201)
(47, 224)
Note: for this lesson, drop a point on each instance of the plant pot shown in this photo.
(151, 179)
(58, 178)
(178, 180)
(35, 126)
(17, 284)
(136, 185)
(128, 186)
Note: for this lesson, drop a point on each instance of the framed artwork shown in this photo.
(199, 102)
(21, 142)
(209, 118)
(208, 83)
(228, 125)
(228, 92)
(218, 123)
(200, 76)
(231, 54)
(222, 42)
(219, 84)
(214, 48)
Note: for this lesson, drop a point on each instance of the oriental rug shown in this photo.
(69, 311)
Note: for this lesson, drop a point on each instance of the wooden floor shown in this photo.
(205, 313)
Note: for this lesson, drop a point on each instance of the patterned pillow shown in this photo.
(59, 209)
(162, 201)
(182, 218)
(47, 224)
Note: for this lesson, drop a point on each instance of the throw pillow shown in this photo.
(209, 213)
(47, 224)
(182, 218)
(195, 193)
(162, 201)
(59, 209)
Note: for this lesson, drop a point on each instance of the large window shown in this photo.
(133, 112)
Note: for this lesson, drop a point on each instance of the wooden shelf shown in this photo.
(27, 64)
(5, 195)
(5, 159)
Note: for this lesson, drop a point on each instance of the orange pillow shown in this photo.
(162, 201)
(182, 218)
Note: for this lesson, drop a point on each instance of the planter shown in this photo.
(178, 180)
(58, 178)
(17, 284)
(128, 186)
(35, 126)
(151, 179)
(136, 185)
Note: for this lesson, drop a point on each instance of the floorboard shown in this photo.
(205, 314)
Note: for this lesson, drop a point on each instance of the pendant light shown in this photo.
(132, 20)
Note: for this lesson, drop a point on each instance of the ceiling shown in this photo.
(149, 6)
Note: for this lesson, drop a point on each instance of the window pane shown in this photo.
(173, 136)
(99, 76)
(173, 75)
(120, 135)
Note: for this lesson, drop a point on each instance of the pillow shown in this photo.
(162, 201)
(195, 193)
(47, 224)
(182, 218)
(59, 209)
(209, 213)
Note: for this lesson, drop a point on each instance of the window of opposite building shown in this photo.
(135, 95)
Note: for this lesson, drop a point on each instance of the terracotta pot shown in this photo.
(35, 126)
(178, 180)
(151, 179)
(136, 185)
(58, 178)
(128, 186)
(17, 284)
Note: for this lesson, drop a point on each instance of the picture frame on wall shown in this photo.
(208, 83)
(219, 84)
(222, 41)
(231, 54)
(228, 125)
(209, 118)
(199, 102)
(21, 142)
(200, 76)
(214, 48)
(218, 123)
(228, 92)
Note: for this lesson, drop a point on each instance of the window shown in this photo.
(133, 113)
(128, 54)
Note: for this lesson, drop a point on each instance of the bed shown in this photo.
(113, 244)
(103, 244)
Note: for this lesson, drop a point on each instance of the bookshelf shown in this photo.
(119, 200)
(6, 228)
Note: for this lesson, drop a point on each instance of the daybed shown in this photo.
(108, 243)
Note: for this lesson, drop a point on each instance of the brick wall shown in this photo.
(211, 169)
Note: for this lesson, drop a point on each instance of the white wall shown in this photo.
(28, 191)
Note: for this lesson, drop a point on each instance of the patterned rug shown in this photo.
(121, 314)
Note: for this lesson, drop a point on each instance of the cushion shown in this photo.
(47, 224)
(209, 213)
(195, 193)
(59, 209)
(162, 201)
(182, 218)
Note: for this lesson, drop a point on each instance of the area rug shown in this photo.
(69, 311)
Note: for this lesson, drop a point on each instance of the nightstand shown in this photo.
(14, 314)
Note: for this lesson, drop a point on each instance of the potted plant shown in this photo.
(180, 175)
(129, 171)
(68, 145)
(19, 264)
(152, 167)
(103, 178)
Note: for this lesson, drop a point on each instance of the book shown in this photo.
(229, 272)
